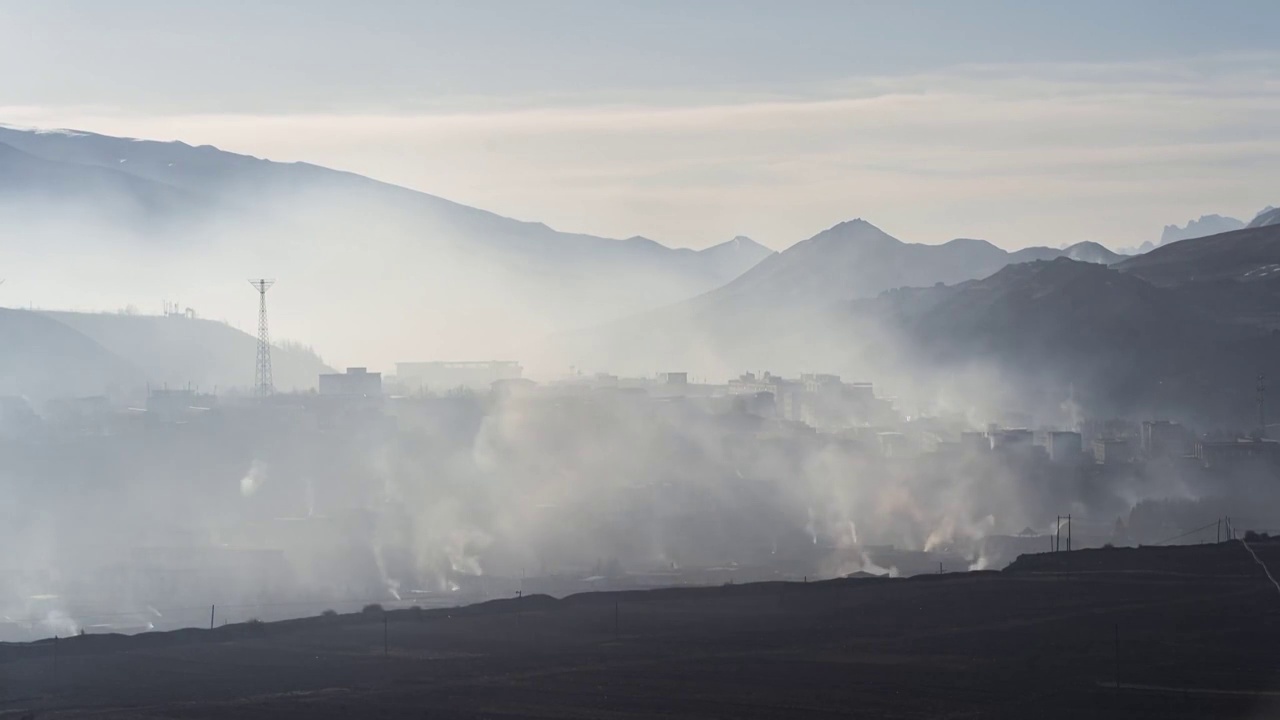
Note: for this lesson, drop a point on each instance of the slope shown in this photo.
(804, 286)
(1269, 216)
(295, 198)
(40, 358)
(177, 350)
(1204, 226)
(1057, 329)
(856, 259)
(1248, 255)
(105, 193)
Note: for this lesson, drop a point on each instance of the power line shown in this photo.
(1189, 532)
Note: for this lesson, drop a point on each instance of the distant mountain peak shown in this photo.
(1201, 227)
(855, 230)
(1269, 216)
(741, 251)
(742, 243)
(967, 243)
(856, 223)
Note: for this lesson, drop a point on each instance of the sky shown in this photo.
(692, 122)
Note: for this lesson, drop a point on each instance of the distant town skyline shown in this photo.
(691, 123)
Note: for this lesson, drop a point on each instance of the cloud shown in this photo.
(1018, 154)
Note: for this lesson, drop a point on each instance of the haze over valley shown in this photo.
(671, 416)
(848, 340)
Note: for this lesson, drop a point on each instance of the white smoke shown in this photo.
(254, 479)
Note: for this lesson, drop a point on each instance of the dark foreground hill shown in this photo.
(1191, 636)
(1251, 255)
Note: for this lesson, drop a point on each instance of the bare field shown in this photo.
(1197, 633)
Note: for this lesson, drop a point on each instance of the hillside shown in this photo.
(1150, 632)
(1269, 216)
(1204, 226)
(106, 193)
(1110, 340)
(798, 295)
(207, 172)
(1248, 255)
(41, 358)
(1032, 336)
(45, 355)
(856, 259)
(1060, 328)
(409, 251)
(1091, 252)
(178, 351)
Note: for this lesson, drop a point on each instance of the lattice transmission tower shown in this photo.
(262, 383)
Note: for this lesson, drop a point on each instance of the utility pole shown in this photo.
(1117, 657)
(1057, 534)
(1262, 406)
(212, 609)
(263, 385)
(1068, 532)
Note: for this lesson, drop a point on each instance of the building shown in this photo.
(442, 376)
(975, 442)
(785, 393)
(165, 405)
(827, 403)
(1235, 454)
(1161, 438)
(673, 378)
(893, 444)
(1012, 439)
(1112, 451)
(513, 387)
(1065, 446)
(355, 382)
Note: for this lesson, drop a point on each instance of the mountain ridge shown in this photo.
(515, 280)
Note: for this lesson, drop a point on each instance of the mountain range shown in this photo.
(170, 181)
(1268, 216)
(390, 270)
(1178, 332)
(857, 259)
(1204, 226)
(1207, 225)
(1104, 339)
(804, 284)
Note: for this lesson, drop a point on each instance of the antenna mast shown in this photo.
(263, 385)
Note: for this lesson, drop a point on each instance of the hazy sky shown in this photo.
(693, 121)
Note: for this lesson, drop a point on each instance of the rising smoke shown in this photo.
(310, 502)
